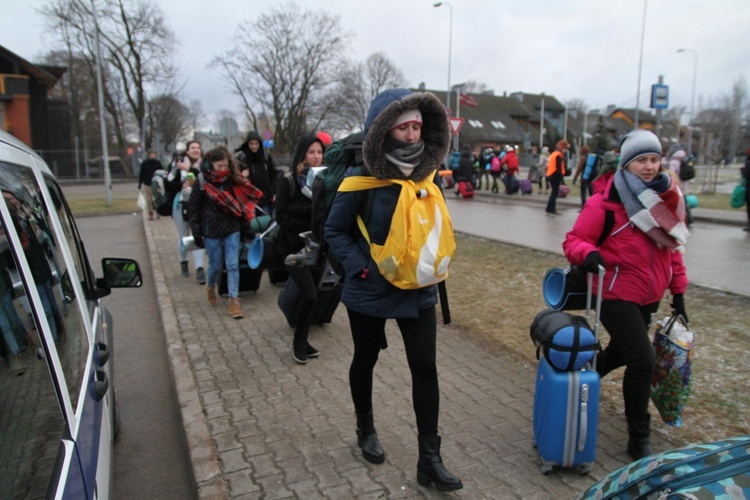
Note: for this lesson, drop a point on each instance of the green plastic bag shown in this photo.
(738, 199)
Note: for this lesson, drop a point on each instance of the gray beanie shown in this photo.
(636, 144)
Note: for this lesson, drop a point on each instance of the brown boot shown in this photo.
(211, 295)
(234, 308)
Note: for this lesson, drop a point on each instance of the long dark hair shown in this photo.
(222, 153)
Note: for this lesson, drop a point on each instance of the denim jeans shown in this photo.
(183, 229)
(231, 260)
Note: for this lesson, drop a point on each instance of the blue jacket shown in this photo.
(369, 293)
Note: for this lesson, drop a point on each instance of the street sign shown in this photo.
(267, 134)
(268, 144)
(659, 96)
(455, 124)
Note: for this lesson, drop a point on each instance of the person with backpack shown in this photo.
(465, 171)
(294, 216)
(641, 253)
(509, 166)
(259, 168)
(148, 167)
(406, 138)
(219, 206)
(183, 172)
(677, 158)
(586, 189)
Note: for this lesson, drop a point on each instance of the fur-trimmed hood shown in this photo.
(384, 110)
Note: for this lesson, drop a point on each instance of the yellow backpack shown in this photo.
(420, 244)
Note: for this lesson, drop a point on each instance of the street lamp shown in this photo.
(450, 50)
(84, 113)
(102, 122)
(692, 106)
(640, 65)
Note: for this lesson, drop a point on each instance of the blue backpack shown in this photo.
(591, 170)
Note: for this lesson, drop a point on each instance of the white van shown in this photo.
(58, 415)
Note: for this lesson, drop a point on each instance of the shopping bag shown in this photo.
(670, 386)
(141, 201)
(737, 200)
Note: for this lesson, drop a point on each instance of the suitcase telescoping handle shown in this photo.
(589, 292)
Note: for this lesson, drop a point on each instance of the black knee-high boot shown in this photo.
(639, 438)
(430, 468)
(367, 439)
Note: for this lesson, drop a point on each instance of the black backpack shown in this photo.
(687, 167)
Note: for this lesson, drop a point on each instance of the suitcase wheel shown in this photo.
(584, 469)
(546, 468)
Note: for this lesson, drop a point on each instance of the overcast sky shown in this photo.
(572, 49)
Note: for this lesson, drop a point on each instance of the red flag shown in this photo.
(467, 100)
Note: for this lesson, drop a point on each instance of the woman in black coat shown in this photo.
(294, 216)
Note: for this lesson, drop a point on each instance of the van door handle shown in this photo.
(101, 384)
(102, 353)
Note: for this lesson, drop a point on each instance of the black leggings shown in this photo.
(419, 334)
(629, 345)
(306, 278)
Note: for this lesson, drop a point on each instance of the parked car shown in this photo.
(58, 407)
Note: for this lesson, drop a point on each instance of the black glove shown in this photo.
(678, 305)
(592, 262)
(199, 241)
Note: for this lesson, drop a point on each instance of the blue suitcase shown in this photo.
(566, 417)
(566, 408)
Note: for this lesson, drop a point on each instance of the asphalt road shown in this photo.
(150, 457)
(715, 253)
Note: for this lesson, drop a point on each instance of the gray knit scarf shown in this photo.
(402, 153)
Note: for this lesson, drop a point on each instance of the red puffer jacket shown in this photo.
(511, 161)
(636, 269)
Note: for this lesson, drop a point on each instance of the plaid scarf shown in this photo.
(241, 197)
(657, 208)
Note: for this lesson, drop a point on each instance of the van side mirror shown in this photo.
(120, 273)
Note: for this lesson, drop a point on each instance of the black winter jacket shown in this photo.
(261, 167)
(207, 219)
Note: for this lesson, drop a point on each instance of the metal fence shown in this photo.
(71, 164)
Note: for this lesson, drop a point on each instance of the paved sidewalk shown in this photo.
(260, 426)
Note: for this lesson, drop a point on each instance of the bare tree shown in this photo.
(195, 109)
(282, 65)
(169, 119)
(136, 48)
(358, 84)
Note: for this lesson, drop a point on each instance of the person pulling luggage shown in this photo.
(642, 257)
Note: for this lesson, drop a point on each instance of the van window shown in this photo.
(43, 251)
(31, 422)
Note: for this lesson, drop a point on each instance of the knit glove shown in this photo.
(592, 262)
(199, 241)
(678, 306)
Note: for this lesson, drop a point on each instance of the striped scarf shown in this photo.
(239, 199)
(656, 208)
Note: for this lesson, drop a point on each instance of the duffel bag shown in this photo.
(567, 341)
(709, 470)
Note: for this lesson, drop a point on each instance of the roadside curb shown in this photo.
(207, 473)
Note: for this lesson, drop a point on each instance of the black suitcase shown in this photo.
(329, 295)
(249, 278)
